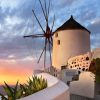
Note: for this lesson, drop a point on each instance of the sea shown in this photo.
(1, 90)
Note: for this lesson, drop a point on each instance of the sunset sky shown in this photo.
(18, 56)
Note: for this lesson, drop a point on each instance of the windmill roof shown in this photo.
(71, 24)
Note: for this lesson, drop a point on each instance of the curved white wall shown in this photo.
(72, 43)
(56, 90)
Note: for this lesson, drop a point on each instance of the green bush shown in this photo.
(33, 85)
(12, 93)
(95, 68)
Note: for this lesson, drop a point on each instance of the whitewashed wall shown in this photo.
(81, 62)
(72, 43)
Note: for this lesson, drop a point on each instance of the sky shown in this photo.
(18, 55)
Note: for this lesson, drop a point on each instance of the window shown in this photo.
(87, 58)
(56, 35)
(58, 42)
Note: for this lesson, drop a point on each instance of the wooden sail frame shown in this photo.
(47, 33)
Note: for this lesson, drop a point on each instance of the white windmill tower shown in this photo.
(70, 39)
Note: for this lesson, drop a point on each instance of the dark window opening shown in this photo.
(56, 35)
(83, 69)
(58, 42)
(63, 67)
(87, 58)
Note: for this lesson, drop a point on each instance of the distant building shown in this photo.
(96, 53)
(71, 39)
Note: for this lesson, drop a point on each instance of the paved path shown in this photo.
(77, 97)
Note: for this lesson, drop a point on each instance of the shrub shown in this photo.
(12, 93)
(33, 85)
(95, 68)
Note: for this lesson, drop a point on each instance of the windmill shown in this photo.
(47, 32)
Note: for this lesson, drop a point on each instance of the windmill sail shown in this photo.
(47, 34)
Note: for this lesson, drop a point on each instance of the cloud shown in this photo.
(3, 14)
(16, 20)
(19, 46)
(95, 33)
(95, 41)
(11, 3)
(64, 3)
(95, 26)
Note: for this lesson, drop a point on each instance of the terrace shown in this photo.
(80, 89)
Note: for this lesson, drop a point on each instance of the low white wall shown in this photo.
(56, 90)
(68, 74)
(50, 79)
(84, 86)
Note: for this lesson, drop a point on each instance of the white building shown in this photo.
(96, 53)
(70, 39)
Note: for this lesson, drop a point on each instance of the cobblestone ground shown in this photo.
(77, 97)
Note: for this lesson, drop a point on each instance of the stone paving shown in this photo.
(77, 97)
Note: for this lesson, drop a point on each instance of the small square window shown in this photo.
(58, 42)
(56, 35)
